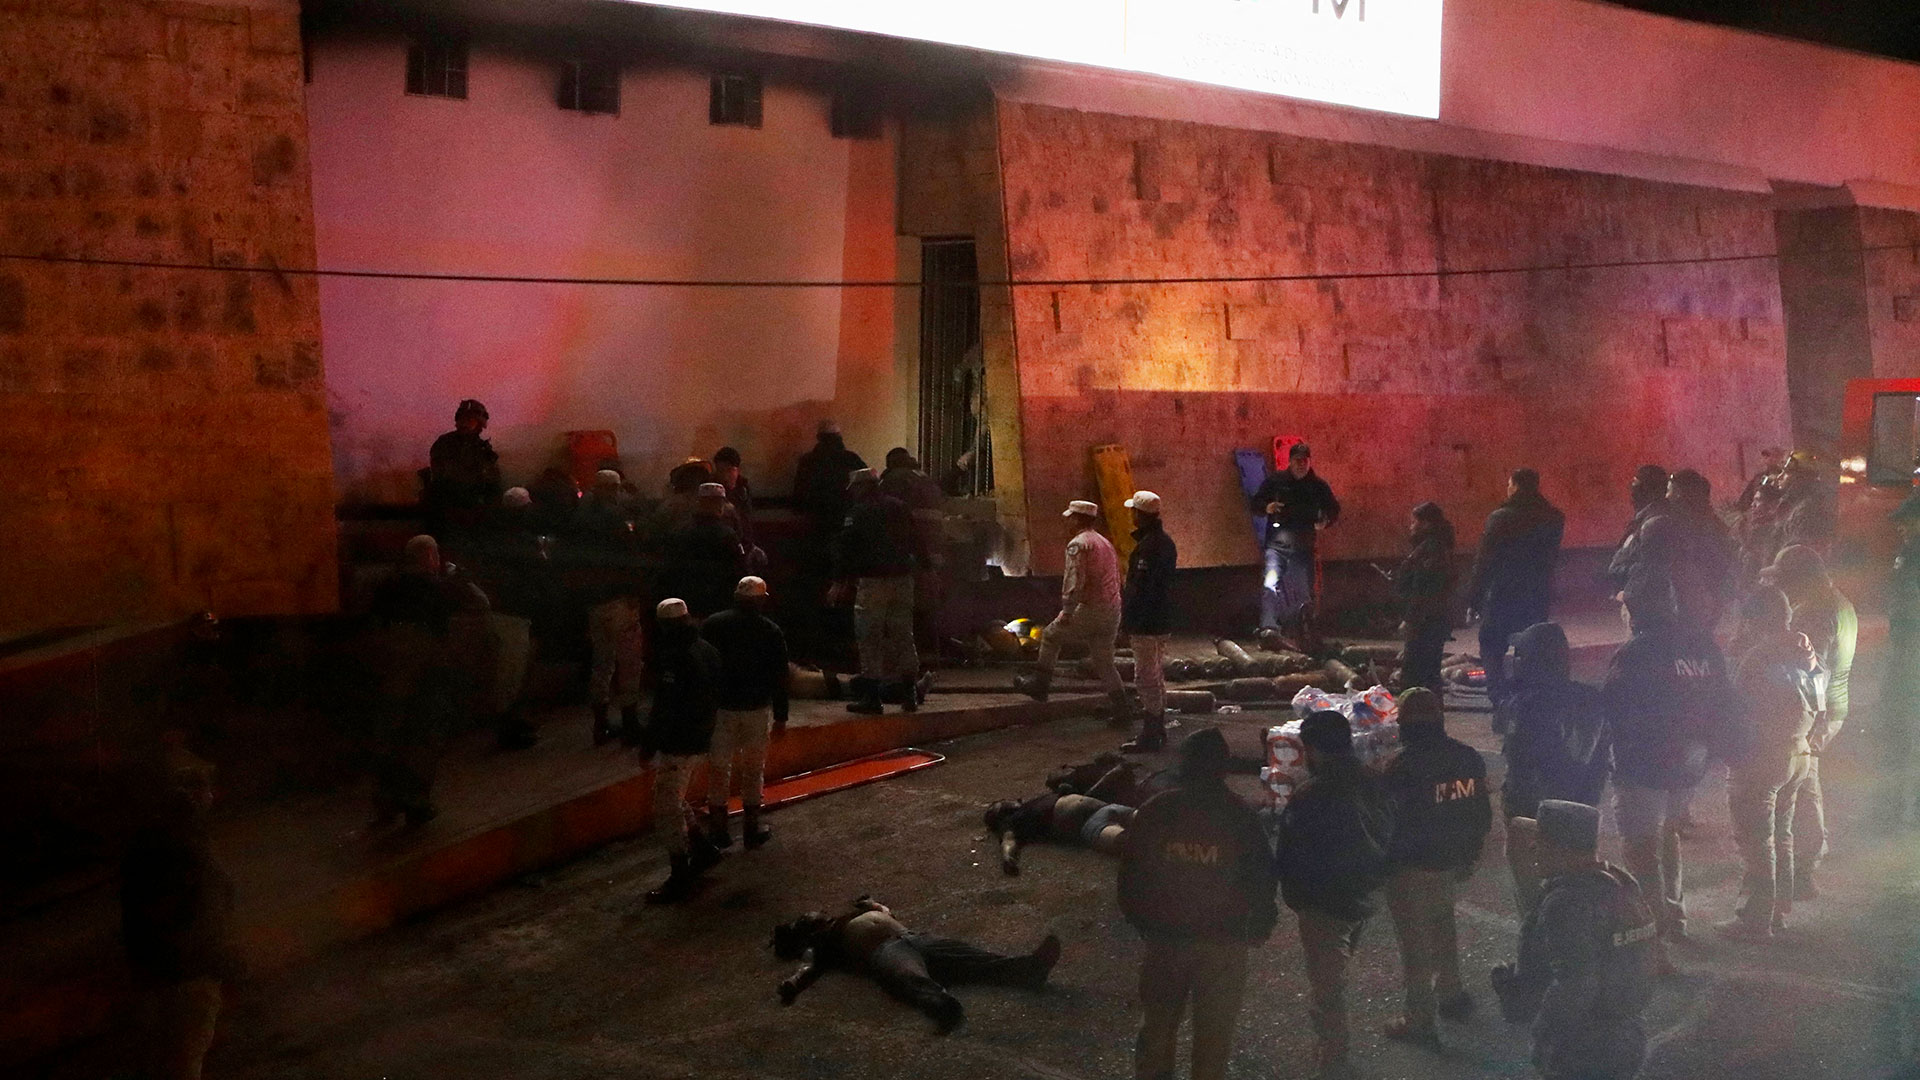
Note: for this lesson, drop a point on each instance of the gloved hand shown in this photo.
(1502, 978)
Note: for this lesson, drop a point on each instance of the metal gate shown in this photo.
(955, 447)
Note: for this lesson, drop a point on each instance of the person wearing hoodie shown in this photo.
(1668, 704)
(1196, 880)
(1555, 743)
(750, 709)
(1778, 679)
(1331, 855)
(686, 673)
(1512, 583)
(1682, 559)
(1832, 627)
(874, 558)
(1424, 583)
(1441, 815)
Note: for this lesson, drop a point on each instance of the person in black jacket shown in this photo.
(1587, 958)
(820, 496)
(686, 674)
(1196, 880)
(1681, 560)
(462, 476)
(753, 683)
(876, 553)
(1424, 583)
(1297, 504)
(1669, 702)
(1332, 858)
(1146, 614)
(1512, 584)
(1441, 815)
(704, 557)
(1557, 746)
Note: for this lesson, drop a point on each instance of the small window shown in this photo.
(437, 67)
(1891, 459)
(735, 99)
(590, 86)
(855, 114)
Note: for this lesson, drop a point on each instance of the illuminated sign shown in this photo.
(1373, 54)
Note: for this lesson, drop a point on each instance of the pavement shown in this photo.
(567, 973)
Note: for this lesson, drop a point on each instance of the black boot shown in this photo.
(717, 832)
(866, 698)
(601, 732)
(752, 833)
(1121, 715)
(679, 883)
(702, 855)
(512, 732)
(909, 696)
(1152, 737)
(630, 725)
(1034, 685)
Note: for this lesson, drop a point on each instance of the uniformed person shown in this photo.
(1146, 614)
(1089, 609)
(1197, 881)
(1441, 815)
(1586, 968)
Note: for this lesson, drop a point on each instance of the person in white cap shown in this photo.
(704, 556)
(1146, 614)
(877, 552)
(679, 732)
(753, 684)
(1089, 610)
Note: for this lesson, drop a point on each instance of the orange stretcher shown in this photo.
(847, 774)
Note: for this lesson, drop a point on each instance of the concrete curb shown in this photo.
(38, 1020)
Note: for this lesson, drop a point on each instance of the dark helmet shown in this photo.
(470, 407)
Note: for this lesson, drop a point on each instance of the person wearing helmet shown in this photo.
(463, 473)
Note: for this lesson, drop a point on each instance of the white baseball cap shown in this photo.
(1081, 506)
(712, 491)
(518, 498)
(751, 586)
(671, 608)
(1144, 501)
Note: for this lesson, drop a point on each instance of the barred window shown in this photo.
(590, 86)
(437, 67)
(735, 99)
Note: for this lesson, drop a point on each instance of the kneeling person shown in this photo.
(1078, 820)
(912, 967)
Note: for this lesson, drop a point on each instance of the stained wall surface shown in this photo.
(164, 446)
(506, 182)
(1409, 388)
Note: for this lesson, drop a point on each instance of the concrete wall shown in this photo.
(1892, 283)
(506, 182)
(1408, 388)
(165, 441)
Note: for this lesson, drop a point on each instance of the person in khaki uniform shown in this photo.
(1089, 609)
(1332, 859)
(1196, 879)
(1441, 815)
(1832, 626)
(1777, 678)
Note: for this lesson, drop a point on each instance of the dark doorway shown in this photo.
(954, 443)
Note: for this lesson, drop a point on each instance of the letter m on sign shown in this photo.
(1340, 8)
